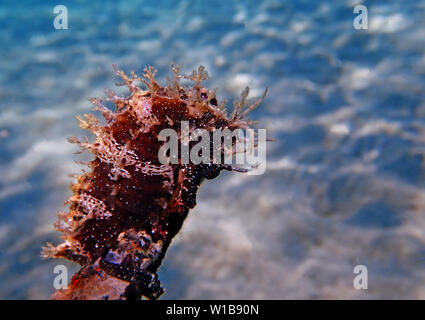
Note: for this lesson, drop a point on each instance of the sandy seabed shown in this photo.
(345, 178)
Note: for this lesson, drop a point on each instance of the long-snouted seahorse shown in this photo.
(124, 213)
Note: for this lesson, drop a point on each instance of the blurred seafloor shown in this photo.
(345, 179)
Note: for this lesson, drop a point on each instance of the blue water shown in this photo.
(344, 183)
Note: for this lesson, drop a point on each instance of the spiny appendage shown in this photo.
(126, 210)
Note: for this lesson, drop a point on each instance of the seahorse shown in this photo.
(127, 208)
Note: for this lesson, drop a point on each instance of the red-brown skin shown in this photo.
(127, 209)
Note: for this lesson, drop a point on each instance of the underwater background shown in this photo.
(345, 178)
